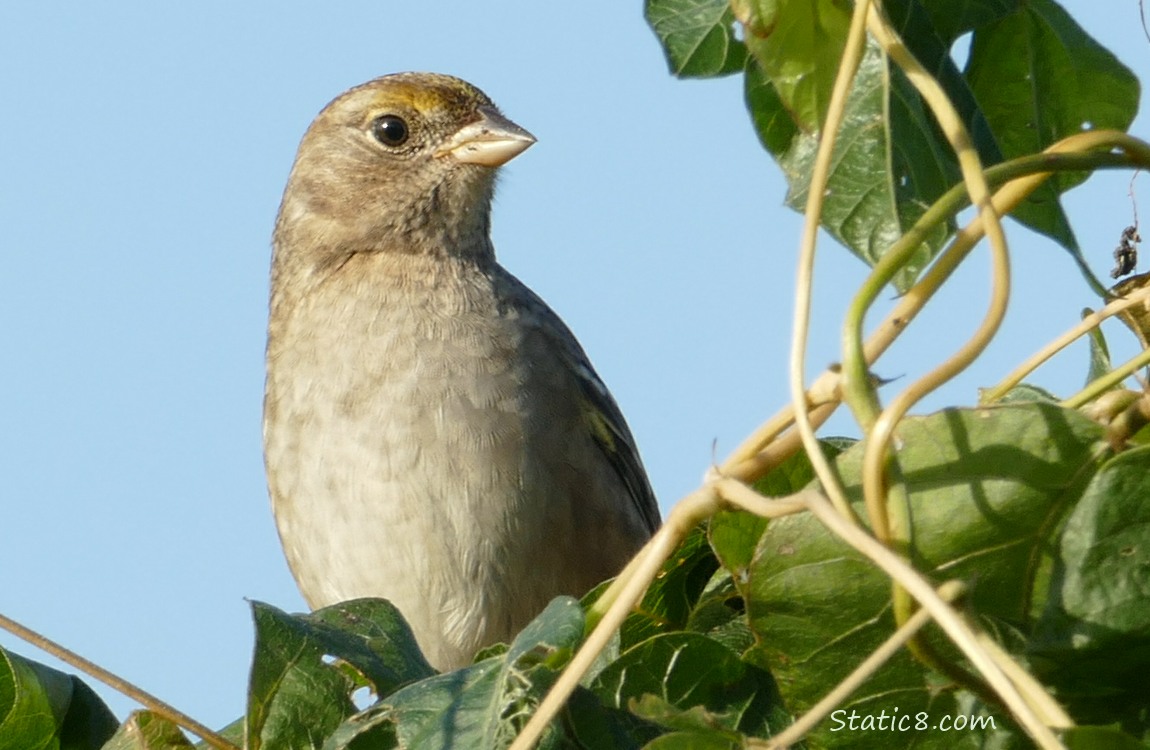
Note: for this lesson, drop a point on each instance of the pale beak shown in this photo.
(492, 141)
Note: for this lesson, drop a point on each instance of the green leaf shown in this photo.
(720, 614)
(1099, 738)
(697, 679)
(695, 723)
(1093, 639)
(233, 733)
(891, 161)
(774, 125)
(295, 698)
(951, 20)
(145, 730)
(371, 636)
(88, 720)
(735, 534)
(884, 173)
(1024, 392)
(306, 668)
(699, 740)
(673, 594)
(486, 704)
(490, 701)
(1039, 77)
(1099, 352)
(41, 707)
(697, 36)
(797, 44)
(931, 46)
(986, 487)
(796, 472)
(590, 724)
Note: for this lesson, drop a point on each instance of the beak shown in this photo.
(492, 141)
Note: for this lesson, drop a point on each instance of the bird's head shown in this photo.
(404, 163)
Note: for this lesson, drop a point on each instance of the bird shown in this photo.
(434, 434)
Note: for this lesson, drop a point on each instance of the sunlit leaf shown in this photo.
(698, 36)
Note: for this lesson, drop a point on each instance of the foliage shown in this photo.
(892, 162)
(44, 708)
(1038, 507)
(748, 623)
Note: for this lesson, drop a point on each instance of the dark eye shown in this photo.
(390, 130)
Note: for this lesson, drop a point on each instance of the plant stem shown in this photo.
(949, 591)
(848, 66)
(687, 513)
(1107, 381)
(149, 701)
(1088, 323)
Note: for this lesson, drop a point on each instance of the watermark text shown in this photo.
(893, 721)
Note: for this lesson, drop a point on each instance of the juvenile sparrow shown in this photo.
(433, 432)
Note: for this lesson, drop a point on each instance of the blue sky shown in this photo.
(143, 151)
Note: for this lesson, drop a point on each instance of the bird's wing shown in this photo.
(601, 415)
(610, 432)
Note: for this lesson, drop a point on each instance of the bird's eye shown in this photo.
(390, 130)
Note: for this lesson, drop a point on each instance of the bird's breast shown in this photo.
(395, 436)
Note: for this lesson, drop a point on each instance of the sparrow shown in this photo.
(433, 432)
